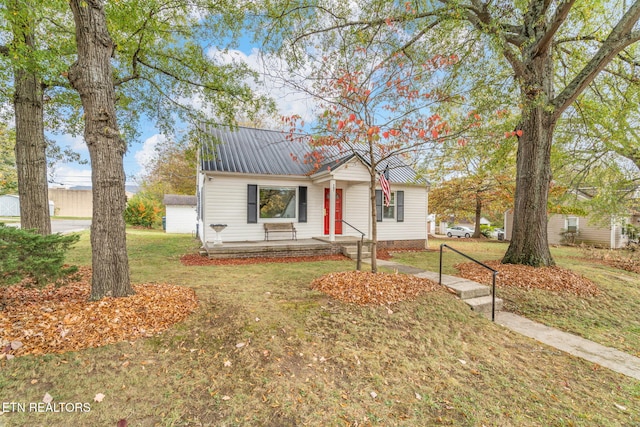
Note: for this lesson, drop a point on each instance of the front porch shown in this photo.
(282, 248)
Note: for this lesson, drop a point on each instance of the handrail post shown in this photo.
(440, 276)
(493, 297)
(493, 284)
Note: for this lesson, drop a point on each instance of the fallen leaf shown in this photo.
(99, 397)
(122, 423)
(16, 345)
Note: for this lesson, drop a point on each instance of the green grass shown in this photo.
(310, 360)
(610, 319)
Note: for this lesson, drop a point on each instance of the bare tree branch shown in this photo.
(543, 43)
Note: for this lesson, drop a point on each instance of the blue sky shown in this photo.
(141, 151)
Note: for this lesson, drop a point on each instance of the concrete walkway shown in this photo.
(610, 358)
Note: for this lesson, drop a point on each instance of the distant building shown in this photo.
(10, 205)
(181, 214)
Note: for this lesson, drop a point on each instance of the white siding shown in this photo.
(9, 205)
(353, 170)
(225, 202)
(356, 208)
(181, 219)
(414, 226)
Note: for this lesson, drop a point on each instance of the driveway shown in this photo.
(69, 225)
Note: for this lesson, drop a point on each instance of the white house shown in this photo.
(251, 177)
(570, 228)
(180, 214)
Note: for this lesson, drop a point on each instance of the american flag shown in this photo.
(384, 184)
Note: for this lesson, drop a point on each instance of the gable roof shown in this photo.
(270, 152)
(179, 200)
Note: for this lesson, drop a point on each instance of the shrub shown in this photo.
(143, 211)
(486, 230)
(25, 253)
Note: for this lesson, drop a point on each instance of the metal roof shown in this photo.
(179, 200)
(271, 152)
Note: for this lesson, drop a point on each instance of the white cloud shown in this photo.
(71, 176)
(273, 80)
(76, 143)
(148, 151)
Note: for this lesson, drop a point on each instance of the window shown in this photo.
(571, 224)
(389, 212)
(277, 202)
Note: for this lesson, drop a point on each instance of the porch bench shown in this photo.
(279, 227)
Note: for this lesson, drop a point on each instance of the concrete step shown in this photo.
(467, 289)
(352, 252)
(483, 304)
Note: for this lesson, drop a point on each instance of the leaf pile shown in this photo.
(366, 288)
(555, 279)
(59, 319)
(616, 260)
(196, 259)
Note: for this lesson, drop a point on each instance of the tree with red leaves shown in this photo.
(378, 107)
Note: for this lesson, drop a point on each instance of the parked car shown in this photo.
(459, 231)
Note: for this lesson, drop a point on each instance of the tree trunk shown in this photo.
(30, 149)
(476, 231)
(374, 221)
(91, 76)
(529, 244)
(31, 158)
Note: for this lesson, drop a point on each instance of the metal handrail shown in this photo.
(494, 272)
(361, 233)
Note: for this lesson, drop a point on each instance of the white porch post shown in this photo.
(612, 236)
(332, 210)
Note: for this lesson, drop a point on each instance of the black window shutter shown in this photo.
(252, 204)
(400, 206)
(302, 204)
(378, 205)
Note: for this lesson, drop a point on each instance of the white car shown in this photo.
(459, 231)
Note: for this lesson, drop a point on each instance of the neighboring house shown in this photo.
(564, 229)
(71, 202)
(180, 214)
(250, 177)
(10, 205)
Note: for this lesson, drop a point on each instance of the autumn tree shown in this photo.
(172, 170)
(554, 50)
(377, 105)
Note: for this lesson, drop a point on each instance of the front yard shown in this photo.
(262, 348)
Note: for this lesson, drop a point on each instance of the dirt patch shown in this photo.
(365, 288)
(59, 319)
(196, 259)
(554, 279)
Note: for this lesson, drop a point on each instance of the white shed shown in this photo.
(181, 214)
(10, 205)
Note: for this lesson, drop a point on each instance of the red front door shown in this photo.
(338, 229)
